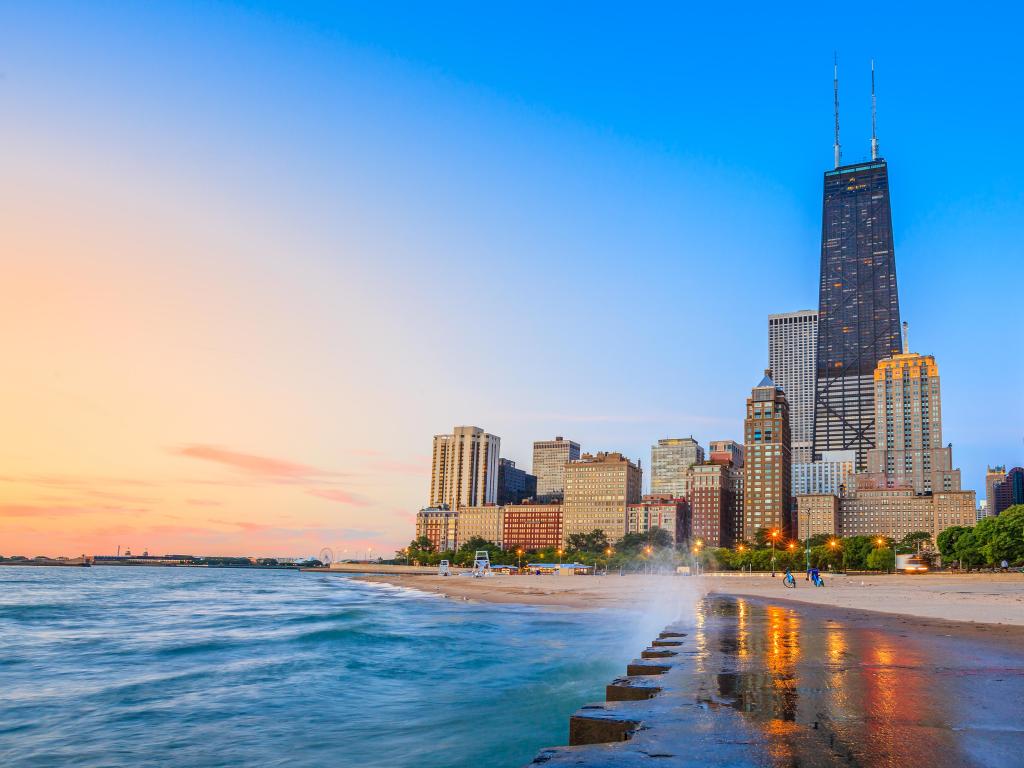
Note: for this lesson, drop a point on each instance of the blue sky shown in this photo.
(332, 231)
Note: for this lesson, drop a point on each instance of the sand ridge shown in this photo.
(980, 598)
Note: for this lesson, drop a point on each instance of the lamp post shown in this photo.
(880, 542)
(833, 544)
(519, 554)
(607, 561)
(773, 536)
(807, 556)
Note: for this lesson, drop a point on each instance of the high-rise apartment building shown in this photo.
(669, 514)
(514, 485)
(993, 476)
(713, 505)
(464, 470)
(549, 460)
(1010, 490)
(909, 452)
(858, 309)
(532, 526)
(767, 467)
(832, 474)
(671, 460)
(597, 490)
(792, 351)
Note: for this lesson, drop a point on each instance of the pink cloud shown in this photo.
(204, 503)
(51, 511)
(342, 497)
(251, 464)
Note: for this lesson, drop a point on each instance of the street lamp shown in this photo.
(773, 536)
(607, 561)
(519, 554)
(833, 545)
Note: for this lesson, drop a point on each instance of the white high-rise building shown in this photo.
(829, 475)
(792, 357)
(671, 460)
(549, 460)
(464, 471)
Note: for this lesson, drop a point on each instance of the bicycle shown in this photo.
(788, 581)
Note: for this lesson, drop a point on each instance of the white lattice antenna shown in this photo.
(835, 97)
(874, 112)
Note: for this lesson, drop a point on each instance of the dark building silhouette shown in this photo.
(858, 311)
(514, 485)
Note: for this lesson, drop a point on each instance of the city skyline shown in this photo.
(232, 323)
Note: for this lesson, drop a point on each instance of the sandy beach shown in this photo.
(977, 598)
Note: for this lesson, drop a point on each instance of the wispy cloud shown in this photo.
(342, 497)
(253, 465)
(62, 510)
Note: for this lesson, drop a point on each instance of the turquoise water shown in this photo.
(145, 666)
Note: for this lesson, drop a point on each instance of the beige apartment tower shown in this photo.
(549, 460)
(597, 491)
(767, 467)
(908, 451)
(464, 471)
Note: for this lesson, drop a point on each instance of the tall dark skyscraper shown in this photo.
(858, 310)
(858, 307)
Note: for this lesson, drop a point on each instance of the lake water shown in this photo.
(128, 666)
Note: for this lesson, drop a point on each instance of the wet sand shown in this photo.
(761, 682)
(992, 599)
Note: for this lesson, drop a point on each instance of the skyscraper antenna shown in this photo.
(906, 338)
(874, 132)
(835, 96)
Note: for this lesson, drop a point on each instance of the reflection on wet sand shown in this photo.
(828, 692)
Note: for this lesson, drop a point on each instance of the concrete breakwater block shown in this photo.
(657, 653)
(641, 667)
(631, 689)
(660, 642)
(600, 724)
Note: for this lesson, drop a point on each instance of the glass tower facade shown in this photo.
(858, 311)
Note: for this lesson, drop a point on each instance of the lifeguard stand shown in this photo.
(444, 568)
(481, 563)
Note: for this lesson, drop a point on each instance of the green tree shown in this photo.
(824, 556)
(656, 538)
(881, 559)
(595, 541)
(968, 550)
(946, 541)
(855, 552)
(1006, 541)
(909, 544)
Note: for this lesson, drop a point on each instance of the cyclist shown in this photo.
(816, 578)
(788, 580)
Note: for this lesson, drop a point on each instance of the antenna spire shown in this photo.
(874, 132)
(835, 96)
(906, 338)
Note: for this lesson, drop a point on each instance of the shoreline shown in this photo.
(989, 600)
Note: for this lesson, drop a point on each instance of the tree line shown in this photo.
(988, 543)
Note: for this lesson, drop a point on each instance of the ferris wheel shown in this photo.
(326, 556)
